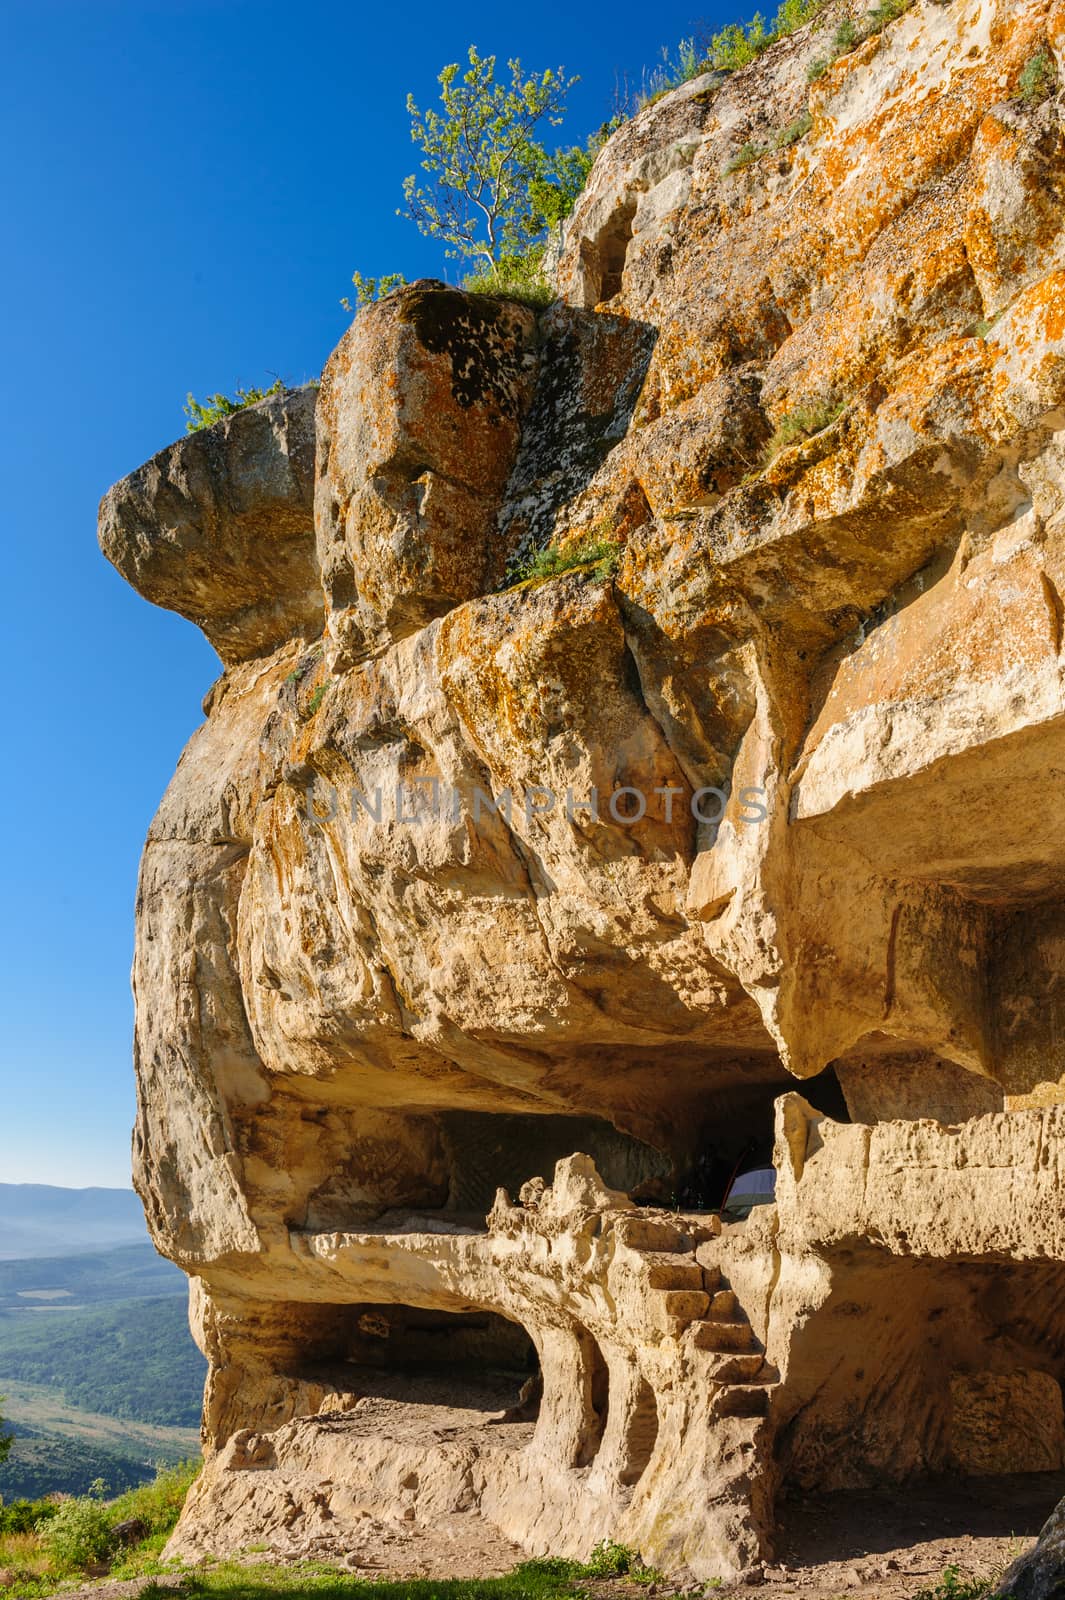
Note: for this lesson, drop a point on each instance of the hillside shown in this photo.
(100, 1376)
(130, 1272)
(39, 1219)
(133, 1359)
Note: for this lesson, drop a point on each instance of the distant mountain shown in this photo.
(37, 1219)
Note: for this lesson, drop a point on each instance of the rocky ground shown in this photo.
(884, 1544)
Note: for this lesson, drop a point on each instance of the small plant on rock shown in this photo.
(595, 555)
(369, 290)
(794, 131)
(953, 1586)
(202, 413)
(1039, 80)
(745, 156)
(817, 69)
(807, 420)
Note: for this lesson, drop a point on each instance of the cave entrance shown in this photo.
(732, 1161)
(487, 1151)
(603, 256)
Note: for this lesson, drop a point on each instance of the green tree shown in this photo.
(5, 1438)
(488, 175)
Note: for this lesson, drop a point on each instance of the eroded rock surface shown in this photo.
(486, 927)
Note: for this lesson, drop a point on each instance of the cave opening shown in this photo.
(604, 255)
(487, 1151)
(466, 1361)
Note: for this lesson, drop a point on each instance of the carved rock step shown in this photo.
(650, 1233)
(739, 1367)
(672, 1272)
(717, 1335)
(682, 1305)
(723, 1305)
(741, 1400)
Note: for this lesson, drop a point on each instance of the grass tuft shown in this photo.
(808, 419)
(953, 1586)
(745, 156)
(596, 556)
(794, 131)
(1039, 79)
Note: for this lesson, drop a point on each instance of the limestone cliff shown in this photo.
(467, 881)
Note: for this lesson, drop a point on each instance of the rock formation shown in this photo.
(487, 924)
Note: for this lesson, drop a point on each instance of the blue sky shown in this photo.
(189, 185)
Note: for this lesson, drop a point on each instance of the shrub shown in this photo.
(22, 1516)
(367, 290)
(735, 46)
(850, 34)
(847, 36)
(596, 556)
(157, 1504)
(745, 156)
(514, 277)
(201, 414)
(817, 69)
(808, 419)
(78, 1535)
(794, 131)
(1039, 80)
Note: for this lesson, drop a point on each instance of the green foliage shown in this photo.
(367, 290)
(554, 191)
(687, 62)
(612, 1560)
(157, 1504)
(851, 34)
(595, 556)
(1039, 79)
(817, 69)
(79, 1534)
(54, 1463)
(133, 1359)
(514, 277)
(736, 46)
(201, 414)
(809, 418)
(316, 699)
(745, 156)
(794, 131)
(550, 1579)
(952, 1586)
(483, 159)
(5, 1438)
(44, 1542)
(22, 1516)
